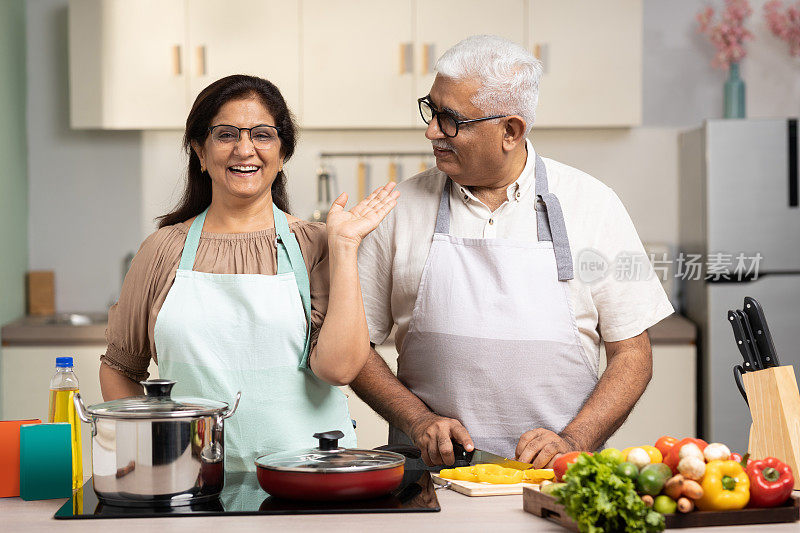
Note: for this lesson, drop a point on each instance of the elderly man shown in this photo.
(498, 340)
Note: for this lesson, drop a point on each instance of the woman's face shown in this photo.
(239, 169)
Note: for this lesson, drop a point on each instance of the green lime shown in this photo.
(665, 505)
(628, 470)
(613, 454)
(650, 481)
(661, 468)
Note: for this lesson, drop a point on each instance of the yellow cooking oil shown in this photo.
(63, 387)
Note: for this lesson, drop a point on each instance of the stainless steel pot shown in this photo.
(155, 449)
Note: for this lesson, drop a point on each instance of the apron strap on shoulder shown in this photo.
(192, 241)
(443, 215)
(290, 259)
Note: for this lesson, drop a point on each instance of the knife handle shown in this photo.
(750, 340)
(738, 334)
(762, 335)
(463, 457)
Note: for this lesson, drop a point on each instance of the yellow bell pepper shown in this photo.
(725, 487)
(462, 473)
(505, 476)
(537, 475)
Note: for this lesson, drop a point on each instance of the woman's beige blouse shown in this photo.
(131, 321)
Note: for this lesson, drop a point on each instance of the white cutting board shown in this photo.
(471, 488)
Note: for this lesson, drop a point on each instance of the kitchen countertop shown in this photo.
(64, 329)
(459, 512)
(41, 331)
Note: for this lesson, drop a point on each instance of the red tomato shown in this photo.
(562, 463)
(665, 444)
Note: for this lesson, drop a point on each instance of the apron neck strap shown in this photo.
(443, 216)
(192, 240)
(290, 259)
(550, 222)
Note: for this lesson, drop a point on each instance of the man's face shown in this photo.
(470, 157)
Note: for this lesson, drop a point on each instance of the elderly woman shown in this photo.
(234, 294)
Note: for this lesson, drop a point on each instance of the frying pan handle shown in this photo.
(411, 452)
(235, 406)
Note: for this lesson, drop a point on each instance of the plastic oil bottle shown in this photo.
(63, 387)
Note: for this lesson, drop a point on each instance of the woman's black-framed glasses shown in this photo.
(448, 123)
(262, 136)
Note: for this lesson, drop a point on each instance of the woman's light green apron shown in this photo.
(217, 334)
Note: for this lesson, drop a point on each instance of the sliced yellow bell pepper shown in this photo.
(507, 476)
(537, 475)
(725, 487)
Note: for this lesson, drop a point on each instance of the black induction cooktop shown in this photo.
(242, 495)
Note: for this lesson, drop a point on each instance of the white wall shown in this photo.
(680, 86)
(84, 186)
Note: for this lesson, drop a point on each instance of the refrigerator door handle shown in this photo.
(794, 193)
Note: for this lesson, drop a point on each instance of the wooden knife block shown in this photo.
(775, 407)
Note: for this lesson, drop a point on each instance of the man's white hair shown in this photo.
(508, 75)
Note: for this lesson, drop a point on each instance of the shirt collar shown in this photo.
(517, 190)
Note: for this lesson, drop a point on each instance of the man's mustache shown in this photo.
(442, 145)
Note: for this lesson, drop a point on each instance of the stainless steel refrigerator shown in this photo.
(739, 197)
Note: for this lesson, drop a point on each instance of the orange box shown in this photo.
(9, 455)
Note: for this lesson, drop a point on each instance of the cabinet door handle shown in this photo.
(541, 51)
(177, 67)
(201, 60)
(406, 58)
(428, 58)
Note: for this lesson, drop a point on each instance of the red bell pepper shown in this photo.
(771, 482)
(672, 459)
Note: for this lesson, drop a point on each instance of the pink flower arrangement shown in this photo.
(727, 35)
(785, 25)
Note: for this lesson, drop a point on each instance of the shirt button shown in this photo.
(518, 194)
(466, 197)
(491, 221)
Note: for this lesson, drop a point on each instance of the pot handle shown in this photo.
(235, 406)
(80, 408)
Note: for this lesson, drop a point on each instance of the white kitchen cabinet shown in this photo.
(127, 64)
(358, 64)
(592, 55)
(342, 64)
(443, 23)
(257, 37)
(140, 65)
(25, 373)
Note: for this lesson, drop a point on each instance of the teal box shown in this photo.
(45, 461)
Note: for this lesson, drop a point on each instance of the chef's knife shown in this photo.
(477, 456)
(763, 338)
(751, 341)
(741, 342)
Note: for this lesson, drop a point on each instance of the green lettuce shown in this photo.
(600, 501)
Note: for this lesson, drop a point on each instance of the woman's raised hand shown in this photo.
(352, 226)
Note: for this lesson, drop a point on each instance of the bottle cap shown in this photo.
(62, 362)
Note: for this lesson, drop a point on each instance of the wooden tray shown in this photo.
(470, 488)
(545, 506)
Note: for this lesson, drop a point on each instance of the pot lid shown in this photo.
(328, 457)
(157, 403)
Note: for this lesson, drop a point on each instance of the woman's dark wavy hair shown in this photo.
(197, 194)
